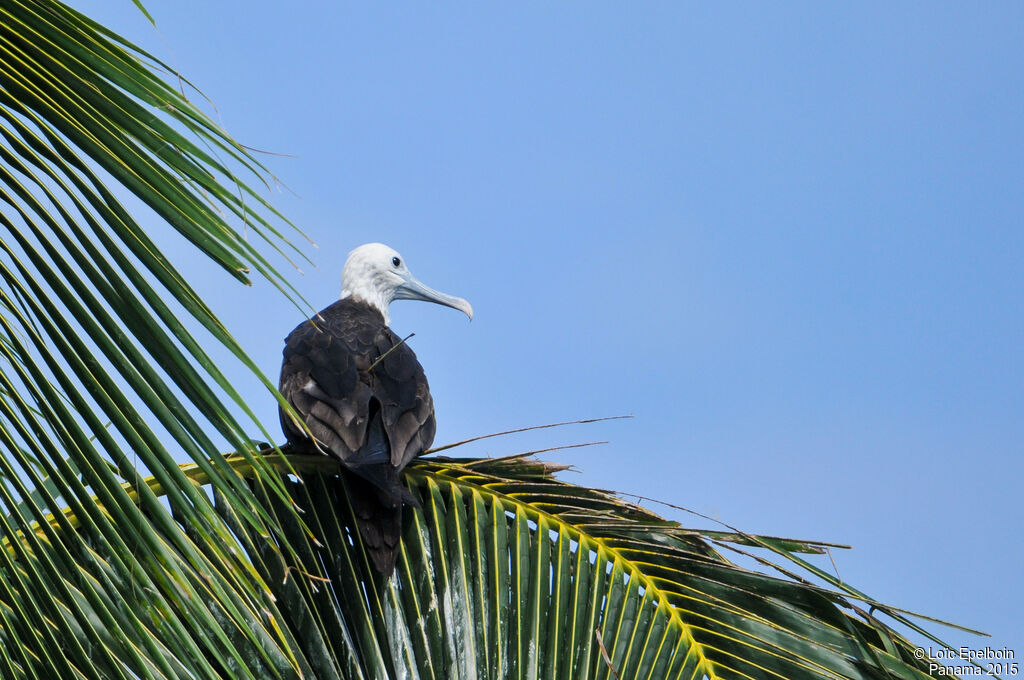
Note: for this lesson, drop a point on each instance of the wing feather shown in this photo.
(374, 422)
(324, 378)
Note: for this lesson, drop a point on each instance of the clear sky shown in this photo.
(787, 238)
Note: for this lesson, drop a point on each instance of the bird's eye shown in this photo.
(395, 261)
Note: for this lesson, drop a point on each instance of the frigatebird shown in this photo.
(361, 392)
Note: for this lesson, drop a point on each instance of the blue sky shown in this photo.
(788, 239)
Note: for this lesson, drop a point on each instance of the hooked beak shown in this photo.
(412, 289)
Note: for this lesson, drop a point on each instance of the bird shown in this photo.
(361, 393)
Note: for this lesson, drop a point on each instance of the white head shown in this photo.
(377, 274)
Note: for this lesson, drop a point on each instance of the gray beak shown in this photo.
(412, 289)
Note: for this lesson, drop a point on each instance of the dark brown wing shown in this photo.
(374, 421)
(362, 417)
(401, 388)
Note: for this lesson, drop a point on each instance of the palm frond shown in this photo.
(507, 572)
(101, 382)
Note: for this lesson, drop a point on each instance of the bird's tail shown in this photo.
(379, 518)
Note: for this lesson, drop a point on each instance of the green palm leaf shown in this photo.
(101, 383)
(504, 572)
